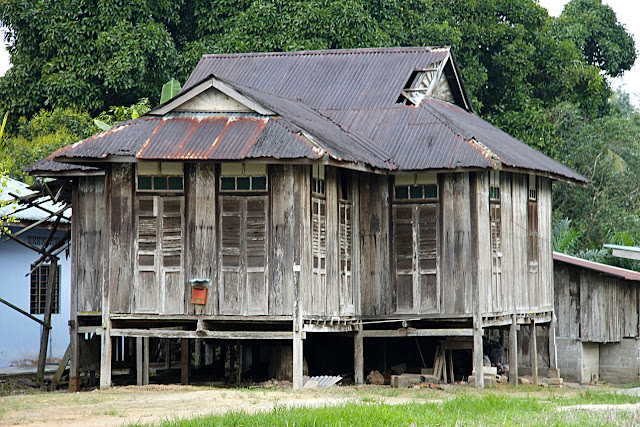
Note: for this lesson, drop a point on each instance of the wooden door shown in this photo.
(495, 218)
(160, 285)
(415, 237)
(243, 256)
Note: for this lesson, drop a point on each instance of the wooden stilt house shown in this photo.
(320, 192)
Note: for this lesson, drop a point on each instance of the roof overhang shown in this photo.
(598, 267)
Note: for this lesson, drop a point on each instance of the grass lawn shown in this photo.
(460, 407)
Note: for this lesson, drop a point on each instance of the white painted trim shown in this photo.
(216, 84)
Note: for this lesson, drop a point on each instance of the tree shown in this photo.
(603, 41)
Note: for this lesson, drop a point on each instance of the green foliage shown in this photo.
(565, 237)
(594, 28)
(169, 90)
(117, 114)
(6, 219)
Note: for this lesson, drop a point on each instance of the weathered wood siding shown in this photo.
(375, 272)
(201, 258)
(122, 244)
(545, 246)
(594, 307)
(88, 237)
(456, 253)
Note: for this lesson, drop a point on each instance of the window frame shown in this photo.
(416, 180)
(247, 171)
(154, 171)
(37, 302)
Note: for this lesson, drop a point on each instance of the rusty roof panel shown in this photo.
(236, 138)
(596, 266)
(201, 140)
(167, 138)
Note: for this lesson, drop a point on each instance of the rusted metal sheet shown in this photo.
(596, 266)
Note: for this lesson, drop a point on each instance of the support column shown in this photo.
(298, 354)
(209, 352)
(167, 353)
(553, 351)
(197, 360)
(145, 361)
(139, 362)
(358, 356)
(534, 353)
(184, 361)
(478, 356)
(513, 352)
(238, 367)
(74, 348)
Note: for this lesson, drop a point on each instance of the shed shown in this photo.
(597, 310)
(323, 195)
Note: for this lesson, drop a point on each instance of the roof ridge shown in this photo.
(360, 51)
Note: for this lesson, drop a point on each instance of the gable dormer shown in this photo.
(440, 80)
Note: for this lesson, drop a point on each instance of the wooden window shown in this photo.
(494, 185)
(159, 177)
(345, 242)
(160, 285)
(532, 232)
(495, 218)
(317, 180)
(415, 187)
(533, 192)
(243, 254)
(243, 178)
(39, 282)
(415, 244)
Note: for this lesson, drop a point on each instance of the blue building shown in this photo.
(20, 335)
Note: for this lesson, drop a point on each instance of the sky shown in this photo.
(626, 11)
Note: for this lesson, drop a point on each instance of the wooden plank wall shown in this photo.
(88, 242)
(375, 273)
(519, 245)
(121, 248)
(283, 236)
(544, 289)
(483, 240)
(456, 253)
(504, 298)
(594, 307)
(201, 254)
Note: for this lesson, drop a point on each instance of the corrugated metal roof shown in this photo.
(342, 102)
(324, 79)
(596, 266)
(21, 189)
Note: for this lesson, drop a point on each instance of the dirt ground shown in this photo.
(123, 405)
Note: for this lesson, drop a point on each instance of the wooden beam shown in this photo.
(328, 328)
(44, 341)
(145, 361)
(411, 332)
(139, 362)
(226, 335)
(513, 352)
(534, 353)
(61, 368)
(184, 361)
(553, 351)
(19, 310)
(358, 356)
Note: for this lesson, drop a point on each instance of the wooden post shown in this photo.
(238, 351)
(513, 352)
(167, 353)
(44, 339)
(145, 361)
(61, 367)
(478, 356)
(298, 356)
(209, 351)
(197, 352)
(184, 361)
(139, 363)
(358, 356)
(534, 353)
(553, 351)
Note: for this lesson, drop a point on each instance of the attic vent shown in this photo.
(426, 82)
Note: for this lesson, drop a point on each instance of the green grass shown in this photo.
(482, 410)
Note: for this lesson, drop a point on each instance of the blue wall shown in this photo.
(19, 335)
